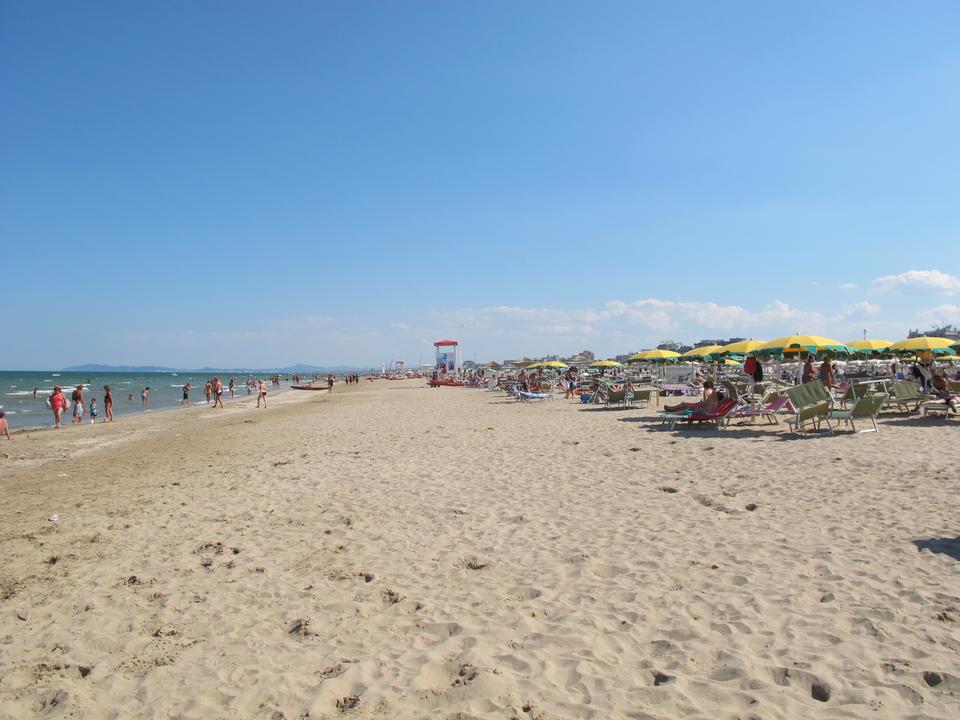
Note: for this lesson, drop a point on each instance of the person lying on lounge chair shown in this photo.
(708, 405)
(941, 388)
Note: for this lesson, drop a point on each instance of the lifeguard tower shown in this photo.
(448, 357)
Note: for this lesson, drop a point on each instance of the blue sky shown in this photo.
(240, 184)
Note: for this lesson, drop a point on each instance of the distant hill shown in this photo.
(95, 368)
(299, 368)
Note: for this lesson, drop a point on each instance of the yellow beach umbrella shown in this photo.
(940, 346)
(534, 365)
(554, 364)
(800, 343)
(655, 356)
(865, 346)
(731, 361)
(700, 352)
(605, 363)
(740, 348)
(951, 358)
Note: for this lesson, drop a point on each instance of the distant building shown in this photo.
(950, 332)
(674, 346)
(584, 357)
(728, 341)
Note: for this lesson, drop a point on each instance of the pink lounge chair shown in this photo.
(781, 403)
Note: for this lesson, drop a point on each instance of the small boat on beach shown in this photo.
(309, 387)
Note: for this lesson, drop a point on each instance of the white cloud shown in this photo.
(862, 309)
(941, 314)
(935, 280)
(848, 286)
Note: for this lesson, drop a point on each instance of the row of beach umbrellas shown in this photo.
(794, 345)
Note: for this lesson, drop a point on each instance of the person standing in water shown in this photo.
(186, 395)
(93, 410)
(208, 390)
(145, 397)
(107, 404)
(231, 386)
(217, 392)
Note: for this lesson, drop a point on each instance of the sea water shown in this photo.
(166, 390)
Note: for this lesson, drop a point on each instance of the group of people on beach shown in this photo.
(58, 403)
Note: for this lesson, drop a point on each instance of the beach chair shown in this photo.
(718, 418)
(615, 397)
(938, 407)
(779, 404)
(906, 396)
(640, 397)
(866, 408)
(812, 403)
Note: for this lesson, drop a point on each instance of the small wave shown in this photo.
(20, 393)
(54, 374)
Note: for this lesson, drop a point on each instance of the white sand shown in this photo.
(458, 555)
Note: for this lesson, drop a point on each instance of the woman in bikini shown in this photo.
(707, 405)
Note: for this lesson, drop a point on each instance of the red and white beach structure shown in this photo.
(447, 365)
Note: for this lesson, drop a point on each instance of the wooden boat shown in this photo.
(309, 387)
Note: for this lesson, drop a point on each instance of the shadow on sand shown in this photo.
(941, 546)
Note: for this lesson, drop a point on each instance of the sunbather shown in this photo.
(707, 405)
(941, 388)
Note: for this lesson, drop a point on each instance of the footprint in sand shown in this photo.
(390, 597)
(787, 677)
(467, 674)
(348, 702)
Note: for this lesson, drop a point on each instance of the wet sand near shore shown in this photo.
(394, 551)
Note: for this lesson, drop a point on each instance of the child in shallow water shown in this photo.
(93, 410)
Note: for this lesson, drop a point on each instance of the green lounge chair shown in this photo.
(640, 397)
(905, 394)
(866, 408)
(615, 397)
(812, 403)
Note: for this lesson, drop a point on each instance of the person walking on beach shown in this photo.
(78, 409)
(107, 404)
(217, 392)
(186, 395)
(263, 393)
(208, 390)
(808, 371)
(4, 426)
(330, 383)
(57, 403)
(145, 397)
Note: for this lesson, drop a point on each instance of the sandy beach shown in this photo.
(394, 551)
